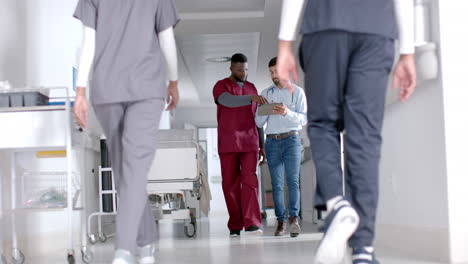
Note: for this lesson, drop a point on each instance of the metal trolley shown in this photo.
(45, 128)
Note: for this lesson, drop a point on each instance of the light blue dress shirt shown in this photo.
(296, 117)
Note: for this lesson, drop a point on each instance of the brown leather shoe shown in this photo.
(294, 227)
(280, 229)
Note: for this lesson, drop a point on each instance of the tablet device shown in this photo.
(267, 109)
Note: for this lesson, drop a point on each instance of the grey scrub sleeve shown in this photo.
(86, 12)
(166, 15)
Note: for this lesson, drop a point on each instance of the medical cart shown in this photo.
(47, 129)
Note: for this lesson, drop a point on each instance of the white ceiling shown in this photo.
(214, 28)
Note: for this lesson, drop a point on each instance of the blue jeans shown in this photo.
(284, 155)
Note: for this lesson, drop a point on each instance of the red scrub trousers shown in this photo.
(240, 186)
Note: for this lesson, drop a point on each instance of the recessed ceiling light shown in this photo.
(219, 59)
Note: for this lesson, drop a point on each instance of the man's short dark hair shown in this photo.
(238, 58)
(272, 62)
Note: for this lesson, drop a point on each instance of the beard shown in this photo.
(276, 81)
(240, 80)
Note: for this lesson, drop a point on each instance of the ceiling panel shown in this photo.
(195, 6)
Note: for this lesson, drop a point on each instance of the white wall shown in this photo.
(454, 38)
(12, 42)
(412, 215)
(39, 43)
(413, 206)
(7, 18)
(214, 166)
(423, 174)
(53, 40)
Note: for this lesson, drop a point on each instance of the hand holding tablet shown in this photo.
(268, 109)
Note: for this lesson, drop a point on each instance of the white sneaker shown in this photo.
(123, 257)
(340, 225)
(147, 254)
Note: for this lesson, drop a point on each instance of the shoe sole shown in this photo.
(332, 248)
(294, 234)
(254, 233)
(366, 261)
(361, 260)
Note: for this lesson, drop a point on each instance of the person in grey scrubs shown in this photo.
(128, 91)
(347, 54)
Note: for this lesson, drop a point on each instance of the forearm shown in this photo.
(261, 137)
(86, 57)
(298, 118)
(290, 16)
(404, 10)
(233, 101)
(169, 50)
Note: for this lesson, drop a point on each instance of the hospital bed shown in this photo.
(175, 178)
(177, 181)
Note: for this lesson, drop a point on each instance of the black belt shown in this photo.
(284, 135)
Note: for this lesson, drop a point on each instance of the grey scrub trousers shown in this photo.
(347, 54)
(127, 91)
(131, 129)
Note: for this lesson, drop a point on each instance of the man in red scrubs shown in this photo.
(239, 146)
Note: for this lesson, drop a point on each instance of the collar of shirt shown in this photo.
(277, 124)
(283, 95)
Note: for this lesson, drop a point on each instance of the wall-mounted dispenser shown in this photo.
(426, 51)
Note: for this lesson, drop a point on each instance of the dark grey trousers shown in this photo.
(131, 129)
(346, 76)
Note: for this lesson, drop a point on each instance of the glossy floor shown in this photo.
(213, 245)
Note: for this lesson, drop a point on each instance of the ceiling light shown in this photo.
(219, 59)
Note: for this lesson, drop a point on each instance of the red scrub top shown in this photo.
(237, 131)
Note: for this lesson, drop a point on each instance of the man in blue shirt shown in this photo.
(283, 147)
